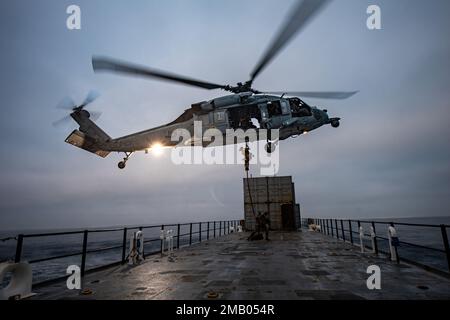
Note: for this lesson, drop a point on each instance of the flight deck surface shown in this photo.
(293, 265)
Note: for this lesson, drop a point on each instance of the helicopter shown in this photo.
(245, 108)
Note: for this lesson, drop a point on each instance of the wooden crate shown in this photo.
(268, 194)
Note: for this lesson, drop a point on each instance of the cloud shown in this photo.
(390, 157)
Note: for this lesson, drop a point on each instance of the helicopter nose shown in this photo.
(325, 110)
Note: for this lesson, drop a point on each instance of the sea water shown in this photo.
(43, 247)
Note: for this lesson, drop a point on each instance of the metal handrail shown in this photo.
(401, 223)
(402, 242)
(332, 224)
(211, 231)
(56, 257)
(51, 234)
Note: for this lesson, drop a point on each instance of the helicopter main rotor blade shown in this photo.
(300, 15)
(338, 95)
(107, 64)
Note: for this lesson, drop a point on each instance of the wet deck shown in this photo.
(302, 265)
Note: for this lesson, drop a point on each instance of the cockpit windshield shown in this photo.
(299, 108)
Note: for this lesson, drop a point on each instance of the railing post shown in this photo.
(178, 236)
(337, 230)
(350, 230)
(342, 228)
(207, 232)
(124, 244)
(331, 225)
(393, 248)
(143, 245)
(162, 241)
(446, 246)
(83, 255)
(190, 234)
(220, 228)
(328, 229)
(359, 232)
(214, 229)
(200, 232)
(375, 239)
(19, 248)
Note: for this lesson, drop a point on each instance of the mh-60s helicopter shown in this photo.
(244, 109)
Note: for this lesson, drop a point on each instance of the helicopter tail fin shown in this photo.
(89, 137)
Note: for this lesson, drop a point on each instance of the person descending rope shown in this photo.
(257, 235)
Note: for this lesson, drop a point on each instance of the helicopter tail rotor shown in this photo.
(68, 104)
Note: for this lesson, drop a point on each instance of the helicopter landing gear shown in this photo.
(122, 164)
(335, 123)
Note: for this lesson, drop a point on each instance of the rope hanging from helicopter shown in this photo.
(247, 167)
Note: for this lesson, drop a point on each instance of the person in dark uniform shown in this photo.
(256, 235)
(266, 225)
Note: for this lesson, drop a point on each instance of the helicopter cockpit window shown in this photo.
(285, 108)
(299, 108)
(274, 108)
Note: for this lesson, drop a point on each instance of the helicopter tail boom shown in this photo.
(89, 137)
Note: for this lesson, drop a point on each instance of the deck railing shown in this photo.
(197, 232)
(348, 231)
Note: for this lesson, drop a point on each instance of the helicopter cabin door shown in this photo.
(219, 120)
(277, 112)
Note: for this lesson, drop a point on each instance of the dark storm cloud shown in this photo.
(390, 157)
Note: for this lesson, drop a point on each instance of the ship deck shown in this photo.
(296, 265)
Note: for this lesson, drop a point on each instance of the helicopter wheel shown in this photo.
(335, 123)
(122, 164)
(270, 147)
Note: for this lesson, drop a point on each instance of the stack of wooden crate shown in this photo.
(274, 195)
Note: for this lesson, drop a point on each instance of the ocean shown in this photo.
(44, 247)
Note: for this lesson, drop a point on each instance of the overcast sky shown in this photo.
(389, 158)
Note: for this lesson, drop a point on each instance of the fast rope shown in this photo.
(247, 167)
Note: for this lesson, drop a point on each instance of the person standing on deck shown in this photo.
(266, 224)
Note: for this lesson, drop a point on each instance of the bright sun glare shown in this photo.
(157, 149)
